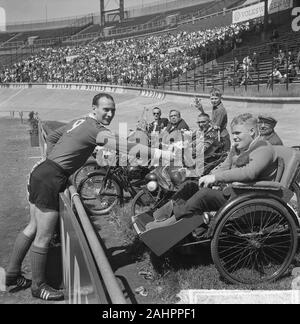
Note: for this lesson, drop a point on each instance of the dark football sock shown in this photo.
(38, 265)
(20, 250)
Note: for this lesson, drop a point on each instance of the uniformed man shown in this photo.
(250, 159)
(267, 125)
(208, 135)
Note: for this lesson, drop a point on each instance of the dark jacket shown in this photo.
(181, 125)
(258, 163)
(162, 123)
(273, 139)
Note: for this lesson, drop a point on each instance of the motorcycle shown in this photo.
(163, 182)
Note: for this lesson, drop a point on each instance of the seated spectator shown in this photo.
(275, 77)
(206, 138)
(290, 58)
(266, 125)
(280, 59)
(236, 65)
(176, 122)
(159, 124)
(255, 61)
(291, 75)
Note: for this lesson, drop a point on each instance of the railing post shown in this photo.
(272, 74)
(258, 76)
(234, 75)
(203, 77)
(195, 85)
(171, 80)
(157, 78)
(186, 80)
(223, 78)
(178, 82)
(287, 70)
(246, 77)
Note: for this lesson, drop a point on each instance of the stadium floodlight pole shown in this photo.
(203, 66)
(273, 74)
(186, 80)
(258, 76)
(195, 85)
(287, 69)
(223, 77)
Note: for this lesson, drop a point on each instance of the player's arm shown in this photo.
(115, 143)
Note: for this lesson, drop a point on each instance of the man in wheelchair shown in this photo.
(250, 159)
(210, 143)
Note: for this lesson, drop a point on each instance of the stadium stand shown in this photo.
(149, 60)
(229, 71)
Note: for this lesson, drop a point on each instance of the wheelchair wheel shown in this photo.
(96, 199)
(82, 173)
(143, 202)
(255, 242)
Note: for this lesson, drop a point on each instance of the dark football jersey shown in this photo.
(74, 143)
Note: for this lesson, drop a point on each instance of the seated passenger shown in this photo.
(250, 159)
(267, 125)
(206, 140)
(176, 122)
(159, 124)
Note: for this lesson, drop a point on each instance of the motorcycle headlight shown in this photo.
(151, 177)
(152, 186)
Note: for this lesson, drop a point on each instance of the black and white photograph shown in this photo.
(149, 154)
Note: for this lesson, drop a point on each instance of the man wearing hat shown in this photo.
(266, 130)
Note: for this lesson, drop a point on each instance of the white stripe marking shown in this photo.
(11, 97)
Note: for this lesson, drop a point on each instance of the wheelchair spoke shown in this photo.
(232, 253)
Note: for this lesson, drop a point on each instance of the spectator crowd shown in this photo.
(139, 61)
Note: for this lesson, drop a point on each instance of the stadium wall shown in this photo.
(277, 97)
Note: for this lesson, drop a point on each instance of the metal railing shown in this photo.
(98, 253)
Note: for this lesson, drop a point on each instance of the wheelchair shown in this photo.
(254, 237)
